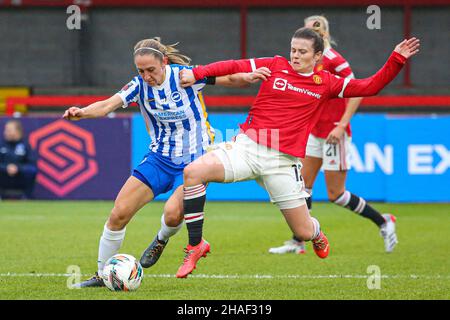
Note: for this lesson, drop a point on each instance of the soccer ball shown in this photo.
(122, 272)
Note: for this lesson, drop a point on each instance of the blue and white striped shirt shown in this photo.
(175, 117)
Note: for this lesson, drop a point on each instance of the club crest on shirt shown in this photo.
(176, 96)
(317, 79)
(280, 84)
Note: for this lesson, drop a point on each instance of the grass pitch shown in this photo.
(41, 240)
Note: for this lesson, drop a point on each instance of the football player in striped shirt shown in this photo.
(329, 147)
(177, 123)
(275, 133)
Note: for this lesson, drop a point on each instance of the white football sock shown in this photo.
(166, 232)
(110, 243)
(316, 228)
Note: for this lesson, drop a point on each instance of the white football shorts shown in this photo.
(277, 172)
(335, 157)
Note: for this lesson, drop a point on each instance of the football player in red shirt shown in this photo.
(329, 147)
(275, 133)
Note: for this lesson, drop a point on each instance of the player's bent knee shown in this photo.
(173, 216)
(120, 215)
(192, 172)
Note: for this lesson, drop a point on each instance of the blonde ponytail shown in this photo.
(321, 26)
(159, 50)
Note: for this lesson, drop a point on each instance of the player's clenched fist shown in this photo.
(186, 78)
(73, 114)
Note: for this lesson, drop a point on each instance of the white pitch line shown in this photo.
(248, 276)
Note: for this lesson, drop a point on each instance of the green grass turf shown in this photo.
(47, 237)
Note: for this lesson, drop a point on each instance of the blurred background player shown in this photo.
(329, 147)
(274, 135)
(17, 163)
(177, 123)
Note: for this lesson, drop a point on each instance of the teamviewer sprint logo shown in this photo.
(280, 84)
(66, 156)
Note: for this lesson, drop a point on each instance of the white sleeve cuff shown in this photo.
(253, 64)
(125, 104)
(346, 81)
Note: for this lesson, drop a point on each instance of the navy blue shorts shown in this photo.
(159, 173)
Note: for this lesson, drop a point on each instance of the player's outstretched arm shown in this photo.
(244, 79)
(374, 84)
(94, 110)
(220, 68)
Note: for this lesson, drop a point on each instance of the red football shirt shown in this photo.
(288, 104)
(333, 111)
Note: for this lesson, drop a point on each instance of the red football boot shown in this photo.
(193, 254)
(321, 246)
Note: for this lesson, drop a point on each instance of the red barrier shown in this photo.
(220, 102)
